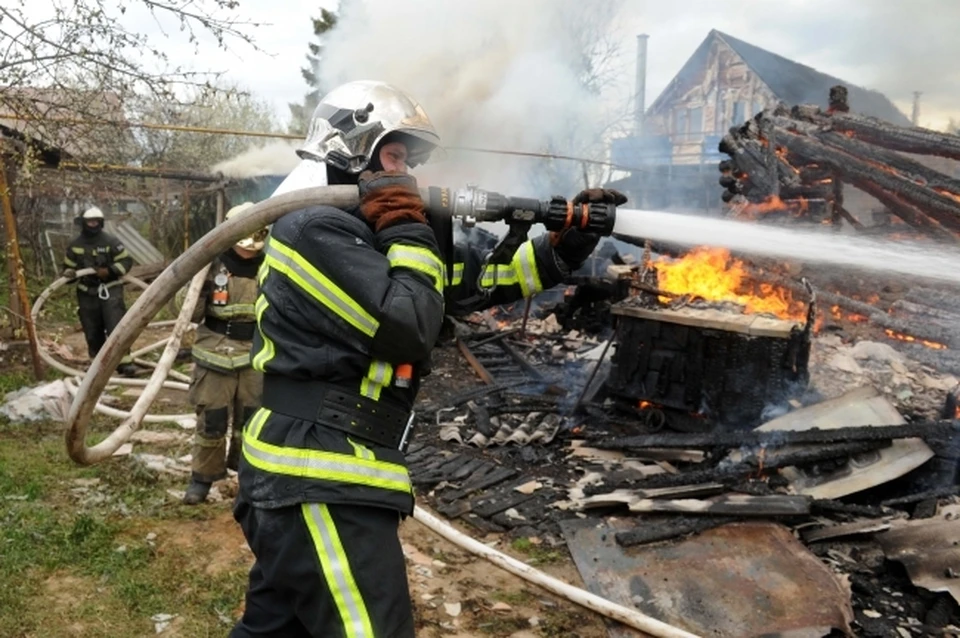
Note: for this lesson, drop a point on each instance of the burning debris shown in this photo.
(793, 163)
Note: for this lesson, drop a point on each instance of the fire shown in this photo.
(643, 405)
(714, 275)
(852, 317)
(910, 339)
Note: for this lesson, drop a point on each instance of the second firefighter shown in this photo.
(225, 389)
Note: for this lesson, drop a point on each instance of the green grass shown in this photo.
(536, 554)
(76, 559)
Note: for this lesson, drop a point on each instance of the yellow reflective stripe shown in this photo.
(78, 250)
(231, 311)
(123, 254)
(457, 277)
(219, 360)
(69, 262)
(337, 572)
(285, 260)
(379, 375)
(524, 263)
(268, 350)
(255, 424)
(121, 269)
(498, 275)
(360, 450)
(325, 466)
(419, 259)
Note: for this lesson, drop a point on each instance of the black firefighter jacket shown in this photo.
(102, 250)
(344, 306)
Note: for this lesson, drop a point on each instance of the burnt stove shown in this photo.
(701, 368)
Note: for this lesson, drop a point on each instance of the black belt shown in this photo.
(336, 408)
(239, 330)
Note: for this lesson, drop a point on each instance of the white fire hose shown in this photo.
(161, 371)
(188, 265)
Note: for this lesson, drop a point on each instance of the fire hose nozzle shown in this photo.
(471, 205)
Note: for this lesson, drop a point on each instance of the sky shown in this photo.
(894, 46)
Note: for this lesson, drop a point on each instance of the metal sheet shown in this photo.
(738, 580)
(863, 406)
(142, 251)
(929, 549)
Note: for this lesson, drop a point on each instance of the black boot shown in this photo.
(196, 492)
(127, 369)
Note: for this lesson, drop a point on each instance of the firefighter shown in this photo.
(100, 295)
(350, 305)
(224, 389)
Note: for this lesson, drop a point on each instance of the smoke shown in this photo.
(275, 158)
(496, 74)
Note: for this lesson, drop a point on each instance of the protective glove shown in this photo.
(69, 273)
(574, 246)
(103, 273)
(389, 198)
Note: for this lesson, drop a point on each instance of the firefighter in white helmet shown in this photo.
(100, 295)
(224, 389)
(350, 306)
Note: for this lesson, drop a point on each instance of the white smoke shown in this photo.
(501, 74)
(275, 158)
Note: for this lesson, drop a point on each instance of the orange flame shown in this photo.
(908, 338)
(714, 275)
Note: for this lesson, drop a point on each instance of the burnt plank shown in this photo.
(489, 480)
(774, 439)
(470, 467)
(729, 505)
(489, 505)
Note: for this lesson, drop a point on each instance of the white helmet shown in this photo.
(92, 213)
(252, 242)
(352, 119)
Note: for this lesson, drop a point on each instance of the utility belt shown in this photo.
(97, 287)
(339, 409)
(239, 330)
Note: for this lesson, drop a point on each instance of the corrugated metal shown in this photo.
(143, 252)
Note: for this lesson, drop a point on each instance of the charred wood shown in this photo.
(780, 438)
(910, 169)
(910, 499)
(862, 174)
(830, 506)
(917, 140)
(732, 473)
(667, 528)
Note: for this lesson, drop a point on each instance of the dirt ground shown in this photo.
(190, 551)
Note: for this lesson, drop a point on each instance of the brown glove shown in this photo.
(103, 272)
(388, 199)
(600, 196)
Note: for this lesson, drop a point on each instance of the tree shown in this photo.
(219, 106)
(63, 61)
(300, 113)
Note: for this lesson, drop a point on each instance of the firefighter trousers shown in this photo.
(99, 316)
(221, 399)
(330, 571)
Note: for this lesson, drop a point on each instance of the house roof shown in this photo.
(63, 123)
(790, 81)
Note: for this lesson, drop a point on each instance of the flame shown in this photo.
(643, 405)
(713, 274)
(956, 411)
(947, 193)
(899, 336)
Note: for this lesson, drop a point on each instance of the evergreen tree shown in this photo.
(300, 113)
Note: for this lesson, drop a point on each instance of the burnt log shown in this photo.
(914, 139)
(731, 474)
(908, 168)
(775, 439)
(749, 158)
(665, 528)
(865, 174)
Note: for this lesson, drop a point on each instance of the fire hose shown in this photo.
(162, 369)
(192, 261)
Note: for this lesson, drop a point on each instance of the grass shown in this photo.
(537, 554)
(77, 558)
